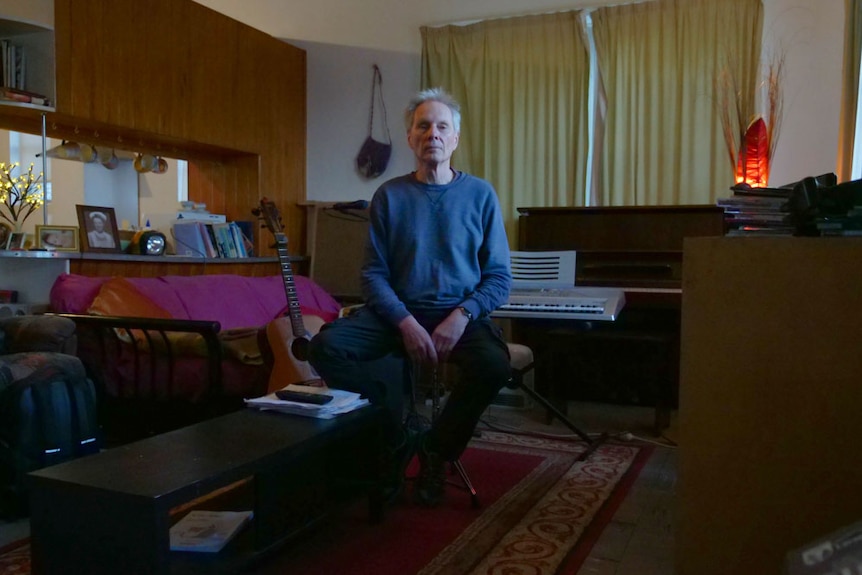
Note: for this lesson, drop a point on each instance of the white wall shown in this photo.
(342, 37)
(39, 12)
(811, 35)
(339, 101)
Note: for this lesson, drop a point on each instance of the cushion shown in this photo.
(73, 293)
(118, 297)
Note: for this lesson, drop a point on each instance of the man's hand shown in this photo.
(448, 333)
(417, 342)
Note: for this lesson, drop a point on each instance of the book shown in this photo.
(188, 240)
(202, 217)
(224, 237)
(206, 236)
(236, 233)
(17, 95)
(207, 531)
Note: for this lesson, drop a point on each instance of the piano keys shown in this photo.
(594, 304)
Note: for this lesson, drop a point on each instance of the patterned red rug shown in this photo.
(540, 512)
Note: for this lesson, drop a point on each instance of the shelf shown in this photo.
(38, 254)
(37, 42)
(167, 259)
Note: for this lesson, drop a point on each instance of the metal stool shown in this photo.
(437, 391)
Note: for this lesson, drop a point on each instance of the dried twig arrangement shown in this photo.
(750, 137)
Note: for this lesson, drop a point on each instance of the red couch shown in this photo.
(168, 351)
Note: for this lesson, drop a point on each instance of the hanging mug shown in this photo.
(161, 166)
(145, 163)
(107, 157)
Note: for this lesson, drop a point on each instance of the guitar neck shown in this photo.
(294, 310)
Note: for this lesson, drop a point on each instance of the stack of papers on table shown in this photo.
(342, 402)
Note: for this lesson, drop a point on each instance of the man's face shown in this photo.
(432, 137)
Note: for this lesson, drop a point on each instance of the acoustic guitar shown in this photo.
(288, 335)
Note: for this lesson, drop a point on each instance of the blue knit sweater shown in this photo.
(436, 247)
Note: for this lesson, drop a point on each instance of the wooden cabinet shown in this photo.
(174, 78)
(769, 400)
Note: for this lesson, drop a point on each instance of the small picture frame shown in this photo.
(16, 241)
(98, 229)
(59, 238)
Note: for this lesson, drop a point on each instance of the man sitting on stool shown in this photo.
(436, 265)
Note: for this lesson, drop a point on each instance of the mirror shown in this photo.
(109, 179)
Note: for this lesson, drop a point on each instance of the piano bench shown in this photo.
(659, 372)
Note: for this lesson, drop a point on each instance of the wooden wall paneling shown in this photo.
(161, 266)
(214, 79)
(190, 77)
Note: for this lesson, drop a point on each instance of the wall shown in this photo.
(810, 34)
(339, 88)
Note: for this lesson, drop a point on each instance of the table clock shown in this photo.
(148, 243)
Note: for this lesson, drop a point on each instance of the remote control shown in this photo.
(303, 397)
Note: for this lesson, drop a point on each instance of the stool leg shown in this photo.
(474, 497)
(457, 465)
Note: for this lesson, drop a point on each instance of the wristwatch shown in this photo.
(466, 312)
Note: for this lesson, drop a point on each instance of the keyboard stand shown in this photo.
(592, 444)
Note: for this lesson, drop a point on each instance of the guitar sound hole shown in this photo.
(299, 348)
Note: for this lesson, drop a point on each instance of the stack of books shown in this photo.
(200, 238)
(13, 76)
(757, 211)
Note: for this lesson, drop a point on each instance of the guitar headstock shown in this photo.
(268, 212)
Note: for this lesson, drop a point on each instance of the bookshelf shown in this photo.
(36, 44)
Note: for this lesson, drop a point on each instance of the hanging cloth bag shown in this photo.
(374, 156)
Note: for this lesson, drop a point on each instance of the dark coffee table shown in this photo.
(109, 513)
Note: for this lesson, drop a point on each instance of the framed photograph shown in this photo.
(16, 241)
(98, 229)
(60, 238)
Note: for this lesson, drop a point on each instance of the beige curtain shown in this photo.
(663, 142)
(522, 85)
(850, 87)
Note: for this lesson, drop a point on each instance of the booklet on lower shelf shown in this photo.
(207, 531)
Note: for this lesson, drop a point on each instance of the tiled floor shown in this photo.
(639, 540)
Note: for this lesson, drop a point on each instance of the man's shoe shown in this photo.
(396, 464)
(431, 483)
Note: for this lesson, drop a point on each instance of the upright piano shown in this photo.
(634, 359)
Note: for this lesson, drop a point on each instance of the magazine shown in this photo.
(207, 531)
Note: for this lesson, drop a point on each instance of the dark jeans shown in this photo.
(340, 353)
